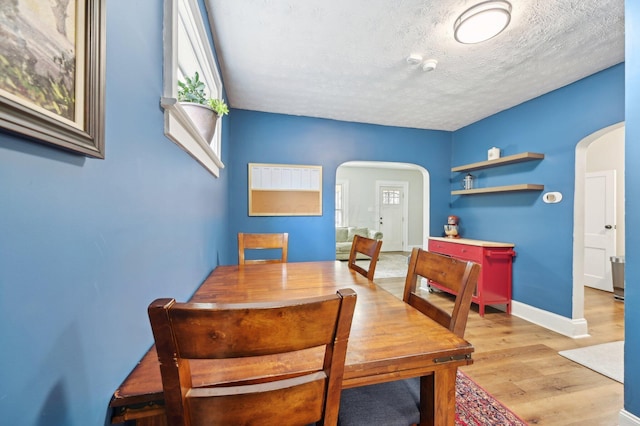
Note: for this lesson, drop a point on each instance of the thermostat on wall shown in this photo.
(552, 197)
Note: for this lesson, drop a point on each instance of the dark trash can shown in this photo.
(617, 272)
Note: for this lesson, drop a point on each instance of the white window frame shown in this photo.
(178, 126)
(344, 184)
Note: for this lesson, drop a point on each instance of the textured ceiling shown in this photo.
(346, 60)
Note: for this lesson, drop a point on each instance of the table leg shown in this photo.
(438, 398)
(152, 421)
(427, 400)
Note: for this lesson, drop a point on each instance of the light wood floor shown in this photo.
(518, 362)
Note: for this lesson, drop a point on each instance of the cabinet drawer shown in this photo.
(461, 251)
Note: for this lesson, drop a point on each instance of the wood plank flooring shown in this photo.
(518, 362)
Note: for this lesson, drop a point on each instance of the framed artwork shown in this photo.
(52, 72)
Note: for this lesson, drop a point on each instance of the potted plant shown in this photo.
(204, 111)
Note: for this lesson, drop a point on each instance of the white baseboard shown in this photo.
(627, 419)
(575, 328)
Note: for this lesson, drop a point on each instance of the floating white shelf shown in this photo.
(507, 188)
(510, 159)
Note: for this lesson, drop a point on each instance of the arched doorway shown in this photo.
(386, 174)
(579, 214)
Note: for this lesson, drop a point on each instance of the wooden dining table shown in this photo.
(389, 340)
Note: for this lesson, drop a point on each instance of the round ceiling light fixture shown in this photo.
(482, 21)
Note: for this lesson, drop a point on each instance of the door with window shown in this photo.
(392, 208)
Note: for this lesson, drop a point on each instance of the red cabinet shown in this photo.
(494, 282)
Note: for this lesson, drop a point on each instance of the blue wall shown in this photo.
(274, 138)
(86, 245)
(552, 124)
(632, 209)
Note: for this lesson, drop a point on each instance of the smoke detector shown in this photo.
(429, 65)
(414, 59)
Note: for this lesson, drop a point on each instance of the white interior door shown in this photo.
(392, 208)
(600, 233)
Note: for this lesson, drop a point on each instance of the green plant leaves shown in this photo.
(219, 106)
(193, 90)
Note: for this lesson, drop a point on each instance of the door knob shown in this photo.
(608, 227)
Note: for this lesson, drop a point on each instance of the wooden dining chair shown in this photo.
(267, 394)
(368, 247)
(397, 403)
(459, 277)
(262, 242)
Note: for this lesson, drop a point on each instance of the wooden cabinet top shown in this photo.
(469, 242)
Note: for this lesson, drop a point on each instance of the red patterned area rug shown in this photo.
(477, 407)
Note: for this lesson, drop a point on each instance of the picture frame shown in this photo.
(52, 73)
(285, 190)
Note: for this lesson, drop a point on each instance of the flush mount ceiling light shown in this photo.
(482, 21)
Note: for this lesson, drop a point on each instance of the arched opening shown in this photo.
(367, 210)
(579, 223)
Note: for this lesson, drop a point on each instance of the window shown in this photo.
(390, 197)
(342, 195)
(186, 51)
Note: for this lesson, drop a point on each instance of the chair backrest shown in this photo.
(196, 331)
(457, 275)
(368, 247)
(262, 241)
